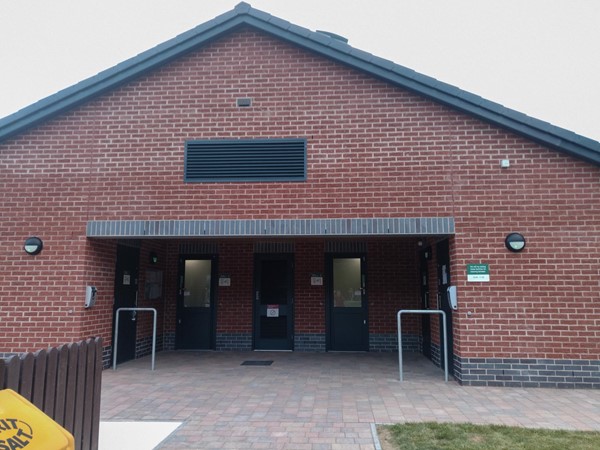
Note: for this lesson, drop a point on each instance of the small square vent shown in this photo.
(244, 102)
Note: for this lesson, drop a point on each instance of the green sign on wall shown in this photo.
(478, 272)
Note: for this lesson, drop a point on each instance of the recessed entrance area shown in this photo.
(303, 294)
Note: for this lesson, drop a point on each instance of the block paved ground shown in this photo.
(317, 401)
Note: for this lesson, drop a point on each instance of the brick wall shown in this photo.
(100, 272)
(542, 302)
(373, 151)
(234, 310)
(393, 285)
(309, 306)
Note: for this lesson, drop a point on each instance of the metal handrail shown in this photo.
(422, 311)
(115, 346)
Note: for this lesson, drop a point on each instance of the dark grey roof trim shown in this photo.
(243, 14)
(270, 228)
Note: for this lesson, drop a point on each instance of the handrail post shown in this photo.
(115, 344)
(153, 338)
(400, 345)
(153, 310)
(445, 345)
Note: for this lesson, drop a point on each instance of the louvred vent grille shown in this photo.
(246, 160)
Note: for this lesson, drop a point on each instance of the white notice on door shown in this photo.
(272, 310)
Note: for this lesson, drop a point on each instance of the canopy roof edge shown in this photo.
(402, 226)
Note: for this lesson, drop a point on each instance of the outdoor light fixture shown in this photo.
(33, 245)
(515, 242)
(153, 258)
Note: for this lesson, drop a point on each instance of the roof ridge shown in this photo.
(242, 6)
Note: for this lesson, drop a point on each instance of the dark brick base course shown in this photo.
(168, 341)
(143, 346)
(513, 372)
(389, 343)
(437, 356)
(234, 341)
(107, 356)
(309, 342)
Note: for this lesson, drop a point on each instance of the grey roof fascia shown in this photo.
(265, 228)
(243, 14)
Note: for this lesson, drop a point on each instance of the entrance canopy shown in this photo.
(270, 227)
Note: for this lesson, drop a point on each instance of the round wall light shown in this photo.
(153, 258)
(515, 242)
(33, 245)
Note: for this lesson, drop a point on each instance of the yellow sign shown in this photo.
(23, 426)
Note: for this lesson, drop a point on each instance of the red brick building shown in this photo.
(264, 186)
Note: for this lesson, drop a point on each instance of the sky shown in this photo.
(539, 57)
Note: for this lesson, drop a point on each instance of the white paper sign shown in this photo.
(272, 310)
(316, 280)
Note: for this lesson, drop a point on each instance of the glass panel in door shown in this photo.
(197, 282)
(347, 283)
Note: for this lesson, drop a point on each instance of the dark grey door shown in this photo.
(348, 328)
(196, 304)
(424, 292)
(273, 302)
(443, 265)
(126, 289)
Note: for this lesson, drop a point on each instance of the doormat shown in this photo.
(257, 363)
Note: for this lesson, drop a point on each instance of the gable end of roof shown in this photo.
(244, 15)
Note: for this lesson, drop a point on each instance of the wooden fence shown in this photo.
(63, 382)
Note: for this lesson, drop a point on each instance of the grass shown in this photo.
(465, 436)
